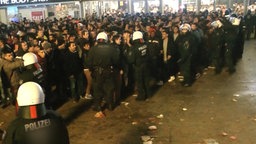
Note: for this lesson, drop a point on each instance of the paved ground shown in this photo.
(218, 108)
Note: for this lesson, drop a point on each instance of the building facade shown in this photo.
(15, 10)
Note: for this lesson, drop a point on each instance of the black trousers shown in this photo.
(142, 77)
(103, 88)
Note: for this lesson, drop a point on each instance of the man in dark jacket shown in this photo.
(153, 43)
(73, 70)
(168, 57)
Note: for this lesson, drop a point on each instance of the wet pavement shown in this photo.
(216, 109)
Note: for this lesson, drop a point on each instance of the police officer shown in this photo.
(32, 71)
(249, 24)
(35, 124)
(229, 44)
(102, 60)
(139, 57)
(186, 46)
(217, 42)
(237, 50)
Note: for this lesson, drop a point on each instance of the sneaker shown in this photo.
(180, 77)
(135, 95)
(198, 75)
(88, 96)
(160, 83)
(186, 85)
(172, 78)
(211, 67)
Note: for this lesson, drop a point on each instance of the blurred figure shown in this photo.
(186, 46)
(153, 43)
(217, 51)
(87, 73)
(11, 68)
(249, 24)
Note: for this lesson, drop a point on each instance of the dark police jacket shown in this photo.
(186, 46)
(138, 54)
(33, 73)
(49, 129)
(102, 58)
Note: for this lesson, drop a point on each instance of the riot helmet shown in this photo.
(235, 21)
(102, 36)
(29, 58)
(137, 35)
(185, 28)
(30, 99)
(216, 24)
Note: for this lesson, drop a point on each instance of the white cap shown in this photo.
(29, 58)
(102, 35)
(185, 27)
(30, 93)
(137, 35)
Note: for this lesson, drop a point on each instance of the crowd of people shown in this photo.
(109, 58)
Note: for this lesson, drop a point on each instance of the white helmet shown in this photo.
(216, 24)
(30, 93)
(102, 35)
(185, 27)
(137, 35)
(29, 58)
(235, 21)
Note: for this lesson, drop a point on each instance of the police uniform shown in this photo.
(229, 45)
(186, 46)
(34, 124)
(48, 129)
(102, 59)
(249, 24)
(139, 58)
(217, 51)
(32, 71)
